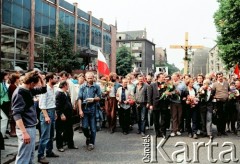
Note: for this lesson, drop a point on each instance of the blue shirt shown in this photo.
(87, 91)
(181, 87)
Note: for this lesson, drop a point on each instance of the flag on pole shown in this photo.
(236, 71)
(102, 64)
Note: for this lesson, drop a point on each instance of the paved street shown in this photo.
(119, 148)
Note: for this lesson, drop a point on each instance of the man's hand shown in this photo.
(63, 117)
(151, 107)
(42, 80)
(81, 114)
(147, 106)
(168, 93)
(56, 116)
(90, 100)
(75, 106)
(26, 138)
(47, 119)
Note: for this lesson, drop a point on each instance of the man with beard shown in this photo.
(47, 119)
(88, 96)
(112, 103)
(149, 79)
(149, 117)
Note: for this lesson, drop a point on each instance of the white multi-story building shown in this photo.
(198, 63)
(215, 63)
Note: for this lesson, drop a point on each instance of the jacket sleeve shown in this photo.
(37, 91)
(60, 102)
(213, 92)
(98, 94)
(18, 106)
(150, 94)
(80, 93)
(185, 93)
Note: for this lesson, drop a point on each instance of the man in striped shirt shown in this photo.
(47, 119)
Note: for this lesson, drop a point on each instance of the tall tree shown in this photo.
(58, 52)
(227, 21)
(124, 61)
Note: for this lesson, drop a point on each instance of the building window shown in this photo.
(7, 48)
(22, 50)
(8, 32)
(211, 54)
(127, 45)
(7, 65)
(22, 35)
(152, 57)
(138, 64)
(21, 65)
(17, 16)
(38, 53)
(137, 44)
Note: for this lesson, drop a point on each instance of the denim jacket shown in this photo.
(87, 91)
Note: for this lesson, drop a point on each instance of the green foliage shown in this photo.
(124, 61)
(58, 52)
(227, 21)
(172, 68)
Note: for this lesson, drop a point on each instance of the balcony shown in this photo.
(138, 58)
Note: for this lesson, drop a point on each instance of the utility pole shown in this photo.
(32, 38)
(186, 47)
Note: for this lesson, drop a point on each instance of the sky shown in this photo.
(166, 21)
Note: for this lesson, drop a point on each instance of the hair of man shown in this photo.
(31, 77)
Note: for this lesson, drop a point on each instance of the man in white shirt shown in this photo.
(47, 119)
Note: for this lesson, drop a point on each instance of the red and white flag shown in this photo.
(236, 71)
(102, 64)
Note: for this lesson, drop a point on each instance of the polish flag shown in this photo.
(102, 64)
(236, 71)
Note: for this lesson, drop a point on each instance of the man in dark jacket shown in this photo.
(158, 104)
(64, 122)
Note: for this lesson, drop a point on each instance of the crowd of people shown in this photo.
(49, 101)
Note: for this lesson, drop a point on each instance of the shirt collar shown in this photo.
(220, 82)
